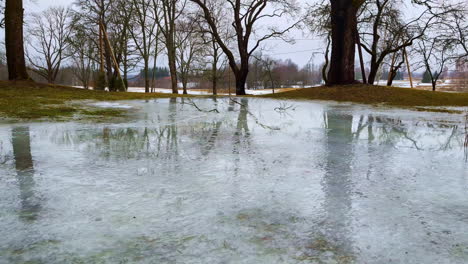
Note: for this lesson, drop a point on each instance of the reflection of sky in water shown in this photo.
(316, 183)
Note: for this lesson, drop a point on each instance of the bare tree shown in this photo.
(189, 44)
(143, 32)
(83, 51)
(126, 52)
(48, 39)
(456, 25)
(436, 54)
(14, 43)
(109, 30)
(245, 17)
(218, 60)
(385, 30)
(171, 11)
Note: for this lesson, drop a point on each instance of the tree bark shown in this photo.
(173, 70)
(344, 24)
(14, 43)
(241, 80)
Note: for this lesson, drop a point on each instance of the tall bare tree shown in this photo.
(245, 16)
(82, 50)
(143, 32)
(172, 10)
(190, 48)
(48, 37)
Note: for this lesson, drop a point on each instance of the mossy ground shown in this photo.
(369, 94)
(28, 100)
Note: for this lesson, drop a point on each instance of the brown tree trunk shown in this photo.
(215, 84)
(241, 80)
(173, 69)
(14, 40)
(361, 58)
(344, 23)
(214, 77)
(373, 73)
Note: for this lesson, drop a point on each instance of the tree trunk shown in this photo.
(373, 73)
(361, 58)
(147, 82)
(14, 40)
(215, 83)
(241, 79)
(184, 86)
(173, 69)
(344, 23)
(214, 77)
(392, 74)
(108, 60)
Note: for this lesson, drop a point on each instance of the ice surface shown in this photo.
(262, 181)
(111, 105)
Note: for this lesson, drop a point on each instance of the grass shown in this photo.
(369, 94)
(28, 100)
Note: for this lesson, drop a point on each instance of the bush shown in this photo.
(426, 77)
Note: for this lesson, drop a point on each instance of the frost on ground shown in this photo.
(312, 183)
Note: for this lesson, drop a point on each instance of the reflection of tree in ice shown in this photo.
(337, 183)
(21, 141)
(466, 137)
(402, 133)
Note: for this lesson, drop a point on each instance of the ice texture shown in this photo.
(257, 181)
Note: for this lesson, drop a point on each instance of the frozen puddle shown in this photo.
(111, 105)
(258, 182)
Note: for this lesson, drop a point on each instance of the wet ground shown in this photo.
(237, 181)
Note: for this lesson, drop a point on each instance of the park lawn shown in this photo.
(29, 100)
(371, 94)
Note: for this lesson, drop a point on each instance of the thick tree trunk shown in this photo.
(173, 70)
(344, 23)
(241, 80)
(14, 40)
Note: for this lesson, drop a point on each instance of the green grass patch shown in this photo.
(369, 94)
(104, 112)
(29, 100)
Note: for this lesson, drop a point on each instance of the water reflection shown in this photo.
(337, 183)
(202, 186)
(21, 141)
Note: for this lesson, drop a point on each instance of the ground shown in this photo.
(28, 100)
